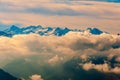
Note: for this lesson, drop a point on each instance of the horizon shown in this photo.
(81, 28)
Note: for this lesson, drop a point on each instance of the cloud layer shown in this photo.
(74, 53)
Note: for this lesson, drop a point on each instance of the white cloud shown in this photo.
(55, 59)
(36, 77)
(50, 50)
(100, 67)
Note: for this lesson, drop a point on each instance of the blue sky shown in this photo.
(104, 14)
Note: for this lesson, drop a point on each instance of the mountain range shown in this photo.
(57, 31)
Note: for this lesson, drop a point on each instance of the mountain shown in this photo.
(57, 31)
(13, 30)
(2, 33)
(6, 76)
(95, 31)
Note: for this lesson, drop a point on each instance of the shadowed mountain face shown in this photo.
(14, 30)
(6, 76)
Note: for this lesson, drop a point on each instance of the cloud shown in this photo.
(36, 77)
(70, 9)
(55, 59)
(101, 67)
(68, 13)
(24, 55)
(73, 43)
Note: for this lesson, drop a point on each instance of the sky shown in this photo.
(103, 14)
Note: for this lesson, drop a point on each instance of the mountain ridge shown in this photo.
(46, 31)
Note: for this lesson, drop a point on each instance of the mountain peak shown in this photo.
(13, 30)
(95, 31)
(57, 31)
(13, 27)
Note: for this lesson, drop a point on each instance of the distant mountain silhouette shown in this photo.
(6, 76)
(57, 31)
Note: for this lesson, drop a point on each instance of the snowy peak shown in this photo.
(59, 31)
(13, 27)
(95, 31)
(32, 27)
(13, 30)
(46, 31)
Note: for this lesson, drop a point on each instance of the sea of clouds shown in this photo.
(70, 57)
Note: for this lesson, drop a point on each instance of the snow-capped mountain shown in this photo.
(57, 31)
(95, 31)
